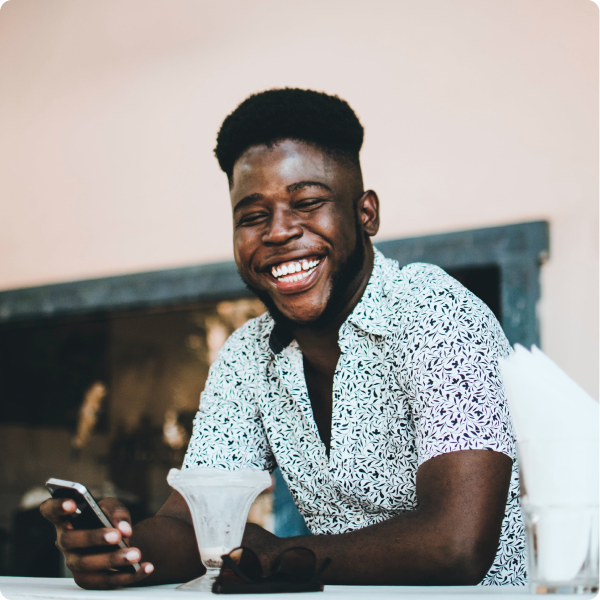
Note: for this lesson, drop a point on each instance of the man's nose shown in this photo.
(283, 227)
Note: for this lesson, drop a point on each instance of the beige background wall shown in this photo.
(477, 113)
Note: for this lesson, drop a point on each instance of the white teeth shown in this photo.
(286, 272)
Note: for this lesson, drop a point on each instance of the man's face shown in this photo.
(298, 218)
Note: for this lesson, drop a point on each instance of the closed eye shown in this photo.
(251, 219)
(309, 205)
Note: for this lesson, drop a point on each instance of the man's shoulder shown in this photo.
(425, 298)
(419, 284)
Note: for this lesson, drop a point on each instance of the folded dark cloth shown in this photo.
(294, 570)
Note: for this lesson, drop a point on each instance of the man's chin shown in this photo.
(290, 319)
(296, 321)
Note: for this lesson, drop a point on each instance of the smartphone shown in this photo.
(88, 514)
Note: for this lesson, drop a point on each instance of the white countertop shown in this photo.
(66, 589)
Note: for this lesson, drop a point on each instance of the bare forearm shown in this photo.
(170, 545)
(410, 549)
(452, 538)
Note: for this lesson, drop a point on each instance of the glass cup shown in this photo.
(219, 501)
(562, 548)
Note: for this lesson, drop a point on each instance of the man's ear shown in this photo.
(367, 209)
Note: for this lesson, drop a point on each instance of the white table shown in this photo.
(13, 588)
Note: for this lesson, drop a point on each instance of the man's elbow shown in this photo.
(469, 561)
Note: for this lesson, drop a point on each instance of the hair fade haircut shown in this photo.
(290, 113)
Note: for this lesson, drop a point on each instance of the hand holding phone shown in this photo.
(93, 537)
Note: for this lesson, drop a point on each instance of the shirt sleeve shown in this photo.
(458, 400)
(228, 431)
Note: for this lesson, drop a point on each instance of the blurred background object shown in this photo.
(114, 213)
(106, 400)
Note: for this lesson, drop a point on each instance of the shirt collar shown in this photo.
(371, 314)
(279, 339)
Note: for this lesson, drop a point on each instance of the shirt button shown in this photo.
(358, 520)
(323, 464)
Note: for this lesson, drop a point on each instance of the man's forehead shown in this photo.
(262, 169)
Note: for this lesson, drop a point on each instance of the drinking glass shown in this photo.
(219, 501)
(562, 548)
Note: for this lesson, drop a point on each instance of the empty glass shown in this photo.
(219, 502)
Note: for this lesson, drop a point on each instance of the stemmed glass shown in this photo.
(219, 501)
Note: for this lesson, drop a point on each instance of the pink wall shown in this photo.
(476, 112)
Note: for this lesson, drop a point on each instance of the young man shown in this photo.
(375, 389)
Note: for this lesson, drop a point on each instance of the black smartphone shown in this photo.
(88, 514)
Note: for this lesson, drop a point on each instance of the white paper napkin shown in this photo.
(556, 425)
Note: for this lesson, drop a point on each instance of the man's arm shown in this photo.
(168, 541)
(450, 539)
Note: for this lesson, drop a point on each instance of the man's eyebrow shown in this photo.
(246, 200)
(300, 185)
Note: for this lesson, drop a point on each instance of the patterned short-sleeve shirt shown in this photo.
(417, 377)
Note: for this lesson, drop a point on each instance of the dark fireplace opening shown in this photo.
(107, 400)
(485, 283)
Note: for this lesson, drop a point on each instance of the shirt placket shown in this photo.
(344, 415)
(339, 400)
(290, 369)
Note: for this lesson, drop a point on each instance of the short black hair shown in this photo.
(290, 113)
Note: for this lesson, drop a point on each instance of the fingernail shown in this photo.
(132, 555)
(149, 568)
(125, 527)
(68, 505)
(111, 537)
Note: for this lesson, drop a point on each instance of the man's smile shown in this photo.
(285, 270)
(296, 275)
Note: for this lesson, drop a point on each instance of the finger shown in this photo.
(88, 538)
(117, 514)
(111, 580)
(125, 528)
(104, 561)
(57, 509)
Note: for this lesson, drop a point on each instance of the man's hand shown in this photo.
(93, 555)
